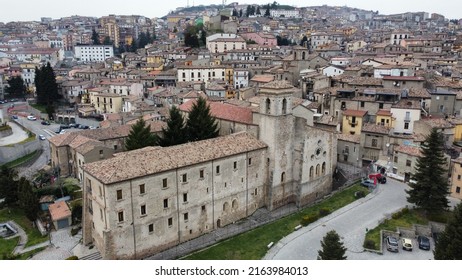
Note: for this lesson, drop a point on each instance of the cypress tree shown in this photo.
(331, 247)
(449, 246)
(140, 136)
(8, 185)
(430, 189)
(201, 125)
(27, 199)
(175, 133)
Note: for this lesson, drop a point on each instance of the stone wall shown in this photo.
(13, 152)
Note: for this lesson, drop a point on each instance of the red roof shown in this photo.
(59, 210)
(354, 113)
(224, 111)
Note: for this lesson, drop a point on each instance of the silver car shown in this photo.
(392, 244)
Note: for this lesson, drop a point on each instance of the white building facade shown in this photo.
(93, 52)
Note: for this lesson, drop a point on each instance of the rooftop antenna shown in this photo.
(187, 5)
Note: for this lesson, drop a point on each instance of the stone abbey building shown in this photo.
(141, 202)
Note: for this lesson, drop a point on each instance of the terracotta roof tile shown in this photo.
(354, 113)
(224, 111)
(408, 150)
(59, 210)
(134, 164)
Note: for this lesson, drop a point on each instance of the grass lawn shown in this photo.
(21, 160)
(406, 220)
(251, 245)
(27, 255)
(17, 215)
(7, 246)
(41, 108)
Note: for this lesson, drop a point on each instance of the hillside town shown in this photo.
(305, 100)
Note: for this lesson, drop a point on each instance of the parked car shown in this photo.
(72, 125)
(14, 117)
(84, 127)
(31, 118)
(391, 243)
(369, 183)
(424, 242)
(64, 126)
(383, 180)
(407, 244)
(42, 137)
(45, 122)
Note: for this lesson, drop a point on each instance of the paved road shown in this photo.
(350, 223)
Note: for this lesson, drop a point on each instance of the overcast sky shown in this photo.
(14, 10)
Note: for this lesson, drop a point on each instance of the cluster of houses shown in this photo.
(352, 87)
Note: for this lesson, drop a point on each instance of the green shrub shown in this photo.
(308, 219)
(73, 258)
(74, 231)
(360, 194)
(369, 244)
(324, 212)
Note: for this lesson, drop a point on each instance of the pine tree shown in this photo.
(235, 13)
(45, 84)
(27, 199)
(201, 125)
(107, 41)
(16, 87)
(95, 38)
(8, 185)
(175, 133)
(258, 11)
(331, 247)
(240, 13)
(267, 12)
(140, 136)
(449, 246)
(430, 189)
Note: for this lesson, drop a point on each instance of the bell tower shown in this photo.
(276, 129)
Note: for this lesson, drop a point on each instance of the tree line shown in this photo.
(200, 125)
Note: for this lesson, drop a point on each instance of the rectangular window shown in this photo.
(184, 178)
(120, 216)
(151, 228)
(170, 222)
(201, 174)
(115, 147)
(185, 197)
(250, 161)
(203, 208)
(166, 203)
(458, 177)
(362, 104)
(143, 210)
(408, 162)
(185, 216)
(406, 125)
(142, 189)
(119, 194)
(380, 105)
(374, 142)
(396, 159)
(164, 183)
(458, 190)
(235, 165)
(218, 169)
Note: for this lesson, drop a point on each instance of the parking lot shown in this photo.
(415, 254)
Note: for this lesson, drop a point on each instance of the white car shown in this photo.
(42, 137)
(31, 118)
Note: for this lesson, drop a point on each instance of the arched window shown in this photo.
(225, 206)
(317, 170)
(268, 106)
(311, 172)
(323, 169)
(303, 55)
(234, 204)
(283, 177)
(284, 106)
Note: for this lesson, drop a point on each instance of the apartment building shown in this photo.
(93, 53)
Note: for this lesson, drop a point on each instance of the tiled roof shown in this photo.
(99, 134)
(349, 138)
(419, 93)
(354, 113)
(59, 210)
(262, 78)
(407, 104)
(438, 123)
(224, 111)
(88, 146)
(374, 128)
(151, 160)
(409, 150)
(384, 113)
